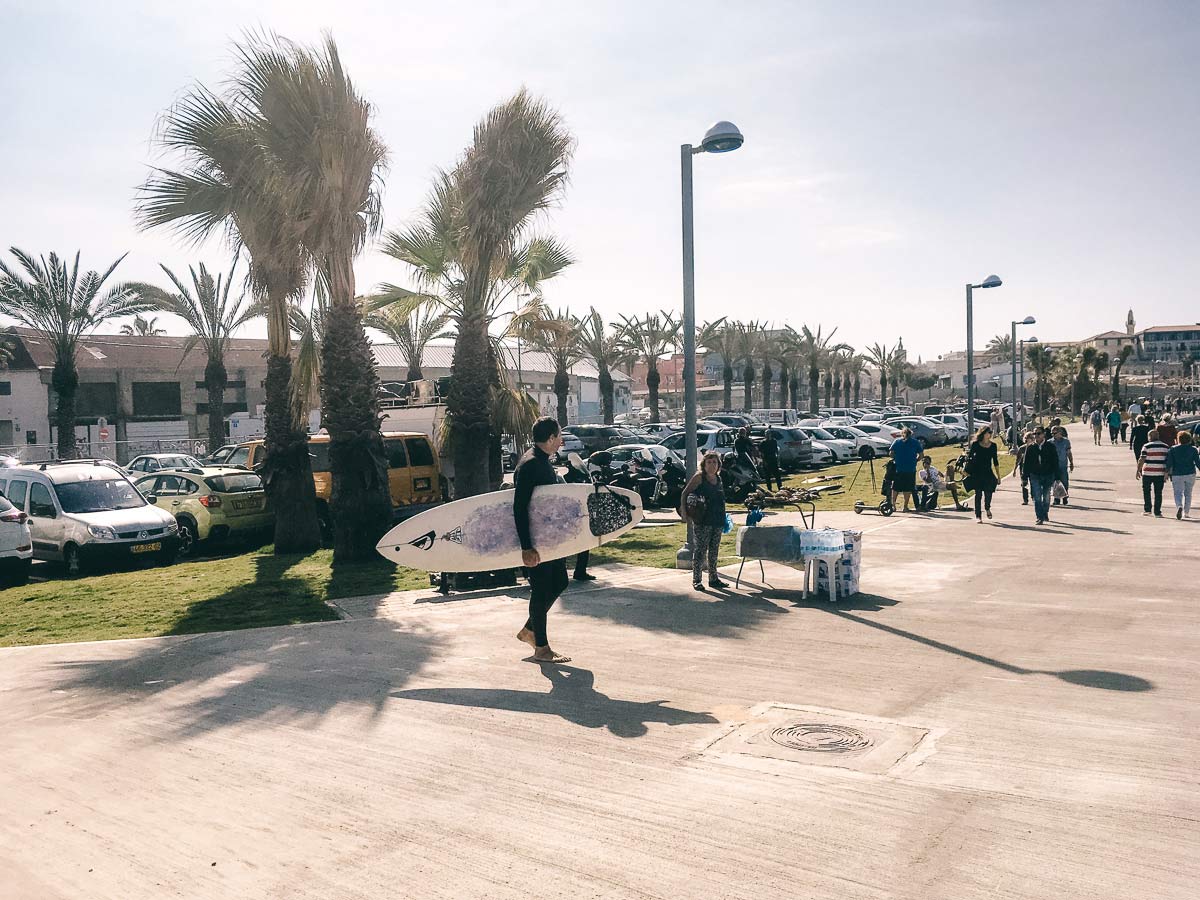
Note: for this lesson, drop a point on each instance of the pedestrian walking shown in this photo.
(1138, 435)
(1019, 466)
(997, 422)
(1041, 468)
(769, 450)
(1066, 462)
(1097, 422)
(547, 578)
(1182, 462)
(983, 470)
(1125, 420)
(1115, 423)
(703, 501)
(1167, 431)
(1152, 470)
(906, 450)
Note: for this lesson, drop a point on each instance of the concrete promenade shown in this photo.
(1004, 712)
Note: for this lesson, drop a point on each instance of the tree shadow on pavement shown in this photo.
(572, 697)
(282, 675)
(713, 613)
(1109, 681)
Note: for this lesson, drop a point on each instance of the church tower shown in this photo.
(1130, 327)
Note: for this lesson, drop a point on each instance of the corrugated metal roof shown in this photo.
(441, 355)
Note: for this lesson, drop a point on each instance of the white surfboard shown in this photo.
(478, 534)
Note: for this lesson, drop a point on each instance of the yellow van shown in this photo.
(414, 475)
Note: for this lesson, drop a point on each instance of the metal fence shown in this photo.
(120, 452)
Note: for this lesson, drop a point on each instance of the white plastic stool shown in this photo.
(833, 565)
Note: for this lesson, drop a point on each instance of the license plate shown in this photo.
(247, 504)
(146, 548)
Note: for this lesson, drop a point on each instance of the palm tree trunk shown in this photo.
(65, 381)
(360, 504)
(814, 389)
(857, 388)
(727, 379)
(652, 381)
(828, 389)
(468, 408)
(562, 384)
(606, 393)
(794, 384)
(287, 470)
(767, 375)
(846, 389)
(783, 385)
(215, 378)
(747, 387)
(414, 373)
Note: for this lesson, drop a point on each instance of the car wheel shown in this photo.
(72, 561)
(187, 537)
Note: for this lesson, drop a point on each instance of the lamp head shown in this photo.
(991, 281)
(721, 138)
(1032, 340)
(1028, 320)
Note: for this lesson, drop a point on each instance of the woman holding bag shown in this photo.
(703, 502)
(983, 470)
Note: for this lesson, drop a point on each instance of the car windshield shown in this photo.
(100, 495)
(240, 483)
(821, 434)
(179, 462)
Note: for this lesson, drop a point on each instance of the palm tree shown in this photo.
(325, 160)
(898, 370)
(769, 350)
(228, 182)
(855, 366)
(472, 247)
(1122, 358)
(880, 357)
(411, 332)
(557, 335)
(749, 344)
(1040, 359)
(648, 338)
(604, 349)
(143, 327)
(1082, 382)
(1000, 347)
(61, 307)
(206, 309)
(1101, 363)
(722, 339)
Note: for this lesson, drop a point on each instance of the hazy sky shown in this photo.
(893, 151)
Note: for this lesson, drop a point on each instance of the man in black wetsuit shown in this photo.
(546, 579)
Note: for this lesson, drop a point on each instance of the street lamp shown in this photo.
(1023, 342)
(721, 138)
(1028, 320)
(1153, 363)
(990, 282)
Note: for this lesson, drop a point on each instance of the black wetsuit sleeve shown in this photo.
(524, 482)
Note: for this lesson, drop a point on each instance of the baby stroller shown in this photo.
(885, 507)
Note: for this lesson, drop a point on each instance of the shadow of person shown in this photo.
(573, 697)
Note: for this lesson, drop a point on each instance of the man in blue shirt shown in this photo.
(906, 450)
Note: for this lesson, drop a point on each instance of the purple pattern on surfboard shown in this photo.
(491, 530)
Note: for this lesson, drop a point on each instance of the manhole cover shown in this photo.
(821, 738)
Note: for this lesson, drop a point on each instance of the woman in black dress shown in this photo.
(983, 468)
(708, 519)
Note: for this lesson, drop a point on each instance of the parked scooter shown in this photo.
(630, 476)
(739, 477)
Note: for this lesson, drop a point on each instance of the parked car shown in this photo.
(928, 432)
(598, 437)
(841, 450)
(157, 462)
(732, 420)
(220, 456)
(570, 444)
(720, 440)
(776, 416)
(795, 447)
(16, 544)
(414, 474)
(660, 429)
(954, 423)
(885, 433)
(83, 512)
(210, 503)
(879, 446)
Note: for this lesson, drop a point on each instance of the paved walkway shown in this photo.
(1005, 712)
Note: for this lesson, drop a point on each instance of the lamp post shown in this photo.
(1153, 363)
(1023, 342)
(721, 138)
(990, 282)
(1028, 320)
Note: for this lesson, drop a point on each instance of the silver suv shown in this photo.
(86, 511)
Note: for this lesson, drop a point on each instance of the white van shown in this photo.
(784, 417)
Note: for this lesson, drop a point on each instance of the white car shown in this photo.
(83, 511)
(878, 444)
(16, 544)
(885, 433)
(954, 423)
(842, 450)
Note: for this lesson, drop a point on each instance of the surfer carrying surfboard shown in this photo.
(547, 579)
